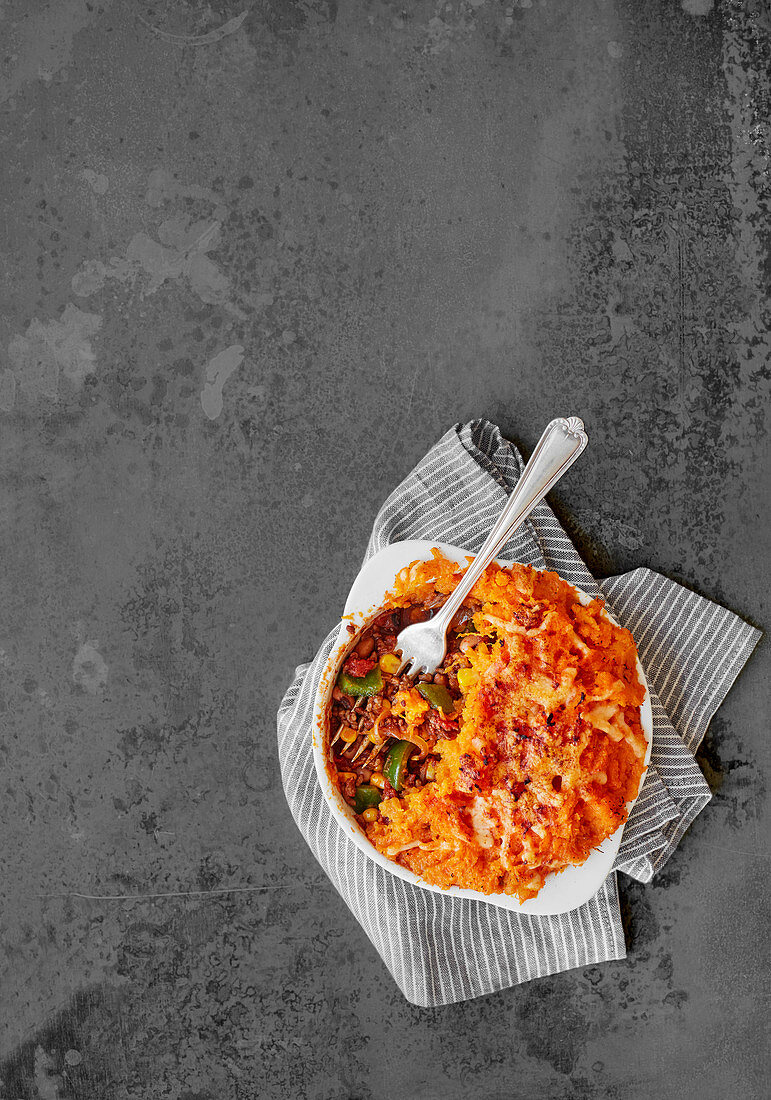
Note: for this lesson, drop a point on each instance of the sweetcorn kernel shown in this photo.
(370, 815)
(465, 679)
(389, 663)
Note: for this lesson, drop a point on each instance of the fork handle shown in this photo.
(560, 445)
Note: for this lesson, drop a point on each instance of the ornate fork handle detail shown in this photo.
(560, 445)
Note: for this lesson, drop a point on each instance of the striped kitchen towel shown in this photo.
(441, 949)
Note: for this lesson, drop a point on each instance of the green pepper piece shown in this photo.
(366, 795)
(396, 763)
(371, 684)
(438, 696)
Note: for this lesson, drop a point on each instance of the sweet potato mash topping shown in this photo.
(540, 750)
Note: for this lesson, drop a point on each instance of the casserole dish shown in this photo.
(562, 891)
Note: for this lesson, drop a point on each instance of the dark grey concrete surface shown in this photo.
(257, 255)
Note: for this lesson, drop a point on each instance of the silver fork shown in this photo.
(423, 645)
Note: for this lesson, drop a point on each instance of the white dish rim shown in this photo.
(562, 892)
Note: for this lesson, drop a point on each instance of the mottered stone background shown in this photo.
(256, 256)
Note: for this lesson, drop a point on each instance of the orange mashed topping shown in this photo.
(550, 747)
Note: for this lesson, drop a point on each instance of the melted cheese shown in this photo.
(550, 747)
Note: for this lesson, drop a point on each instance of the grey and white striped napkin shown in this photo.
(442, 949)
